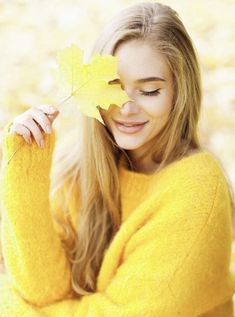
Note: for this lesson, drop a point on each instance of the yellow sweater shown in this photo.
(170, 258)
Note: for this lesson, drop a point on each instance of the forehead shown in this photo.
(137, 59)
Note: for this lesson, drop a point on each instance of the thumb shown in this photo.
(52, 116)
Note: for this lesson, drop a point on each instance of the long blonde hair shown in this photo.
(90, 166)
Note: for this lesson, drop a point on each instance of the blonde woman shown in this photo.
(133, 220)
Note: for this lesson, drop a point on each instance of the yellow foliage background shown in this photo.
(32, 31)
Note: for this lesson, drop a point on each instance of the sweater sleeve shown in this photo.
(33, 254)
(169, 272)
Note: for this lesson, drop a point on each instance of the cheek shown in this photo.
(158, 107)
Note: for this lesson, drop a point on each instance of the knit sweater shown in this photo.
(170, 257)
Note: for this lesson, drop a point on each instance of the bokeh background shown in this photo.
(32, 32)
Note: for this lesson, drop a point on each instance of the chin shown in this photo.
(126, 147)
(128, 144)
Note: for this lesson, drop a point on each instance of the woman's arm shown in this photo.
(33, 254)
(176, 264)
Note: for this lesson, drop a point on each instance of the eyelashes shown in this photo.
(151, 93)
(144, 93)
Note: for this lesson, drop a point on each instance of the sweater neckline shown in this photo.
(131, 175)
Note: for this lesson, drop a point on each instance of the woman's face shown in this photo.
(146, 78)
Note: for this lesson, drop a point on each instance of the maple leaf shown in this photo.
(89, 83)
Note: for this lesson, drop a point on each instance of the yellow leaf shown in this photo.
(89, 83)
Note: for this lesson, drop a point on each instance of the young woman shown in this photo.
(135, 218)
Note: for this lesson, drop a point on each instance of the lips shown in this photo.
(129, 128)
(130, 124)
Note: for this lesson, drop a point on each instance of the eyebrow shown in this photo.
(141, 80)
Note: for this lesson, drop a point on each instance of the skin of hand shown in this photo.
(34, 122)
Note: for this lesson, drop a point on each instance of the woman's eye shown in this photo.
(150, 93)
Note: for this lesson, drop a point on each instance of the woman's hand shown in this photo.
(33, 122)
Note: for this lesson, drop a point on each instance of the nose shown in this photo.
(129, 107)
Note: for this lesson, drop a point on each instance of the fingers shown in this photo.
(34, 122)
(28, 128)
(35, 129)
(21, 130)
(47, 109)
(50, 111)
(42, 120)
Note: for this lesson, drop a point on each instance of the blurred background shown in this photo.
(32, 32)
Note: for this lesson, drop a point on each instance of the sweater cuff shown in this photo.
(18, 152)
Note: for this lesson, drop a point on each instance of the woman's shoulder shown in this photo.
(201, 162)
(199, 172)
(198, 179)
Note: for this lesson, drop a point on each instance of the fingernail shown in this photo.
(41, 144)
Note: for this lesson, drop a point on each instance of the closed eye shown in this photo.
(150, 93)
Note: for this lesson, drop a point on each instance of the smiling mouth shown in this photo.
(130, 124)
(133, 128)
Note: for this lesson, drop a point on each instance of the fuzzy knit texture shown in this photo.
(170, 257)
